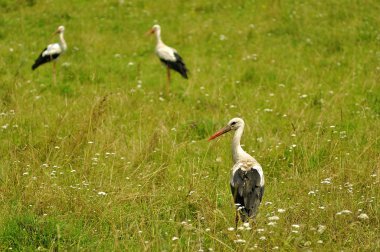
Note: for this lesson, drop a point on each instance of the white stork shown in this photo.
(247, 177)
(168, 56)
(52, 51)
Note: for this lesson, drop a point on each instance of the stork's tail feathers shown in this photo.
(183, 70)
(35, 65)
(39, 61)
(247, 214)
(180, 66)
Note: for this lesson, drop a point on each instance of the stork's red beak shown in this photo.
(151, 31)
(220, 132)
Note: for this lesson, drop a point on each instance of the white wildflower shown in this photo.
(344, 212)
(273, 218)
(321, 229)
(363, 216)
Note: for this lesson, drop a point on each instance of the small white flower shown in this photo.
(326, 181)
(280, 210)
(222, 37)
(230, 229)
(175, 238)
(363, 216)
(296, 226)
(102, 193)
(263, 238)
(239, 241)
(307, 244)
(321, 229)
(273, 218)
(272, 223)
(344, 212)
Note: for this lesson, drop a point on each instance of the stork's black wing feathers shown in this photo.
(177, 65)
(44, 59)
(247, 192)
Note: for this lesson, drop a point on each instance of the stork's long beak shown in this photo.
(220, 132)
(151, 31)
(54, 33)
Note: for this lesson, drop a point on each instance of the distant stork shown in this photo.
(168, 56)
(247, 177)
(52, 51)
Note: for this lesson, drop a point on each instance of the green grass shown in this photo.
(302, 74)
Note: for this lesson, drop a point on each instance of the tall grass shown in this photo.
(106, 161)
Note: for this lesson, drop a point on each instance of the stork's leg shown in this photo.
(168, 80)
(236, 219)
(54, 74)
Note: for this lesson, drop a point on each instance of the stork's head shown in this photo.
(60, 29)
(155, 29)
(233, 124)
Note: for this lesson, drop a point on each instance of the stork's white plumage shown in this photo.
(168, 55)
(52, 51)
(247, 177)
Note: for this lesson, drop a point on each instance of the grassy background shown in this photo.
(104, 161)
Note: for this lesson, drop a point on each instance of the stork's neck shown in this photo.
(62, 42)
(158, 36)
(237, 152)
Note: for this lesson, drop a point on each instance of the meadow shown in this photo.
(106, 161)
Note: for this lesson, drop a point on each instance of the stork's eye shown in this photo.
(233, 123)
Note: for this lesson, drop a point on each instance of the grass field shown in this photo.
(105, 161)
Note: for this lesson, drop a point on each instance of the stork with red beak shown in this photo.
(247, 177)
(52, 52)
(168, 56)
